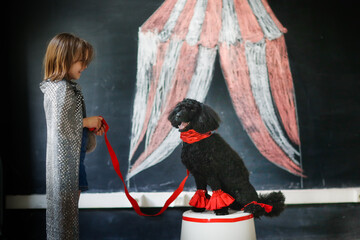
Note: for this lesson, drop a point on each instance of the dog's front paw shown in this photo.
(195, 209)
(222, 211)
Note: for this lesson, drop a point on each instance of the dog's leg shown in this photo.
(244, 194)
(215, 185)
(201, 186)
(222, 211)
(195, 209)
(200, 181)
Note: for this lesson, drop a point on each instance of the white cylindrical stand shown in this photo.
(206, 225)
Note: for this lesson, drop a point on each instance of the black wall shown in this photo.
(323, 52)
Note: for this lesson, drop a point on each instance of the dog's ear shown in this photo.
(207, 120)
(172, 114)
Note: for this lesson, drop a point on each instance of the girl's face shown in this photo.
(76, 70)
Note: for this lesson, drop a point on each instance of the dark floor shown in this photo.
(330, 222)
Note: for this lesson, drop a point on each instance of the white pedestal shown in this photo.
(206, 225)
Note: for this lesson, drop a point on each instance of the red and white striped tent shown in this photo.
(177, 49)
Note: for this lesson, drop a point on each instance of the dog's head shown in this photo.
(191, 114)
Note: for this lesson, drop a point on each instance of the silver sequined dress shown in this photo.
(64, 109)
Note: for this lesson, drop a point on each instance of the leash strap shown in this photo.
(133, 202)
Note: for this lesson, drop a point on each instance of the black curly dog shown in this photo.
(213, 162)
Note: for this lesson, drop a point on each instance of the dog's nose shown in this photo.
(178, 114)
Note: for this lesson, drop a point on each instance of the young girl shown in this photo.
(68, 137)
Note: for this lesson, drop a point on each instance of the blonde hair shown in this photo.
(64, 50)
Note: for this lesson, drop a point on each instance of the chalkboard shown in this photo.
(324, 61)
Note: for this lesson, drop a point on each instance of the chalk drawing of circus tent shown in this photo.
(176, 54)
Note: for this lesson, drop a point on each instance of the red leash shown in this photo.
(133, 202)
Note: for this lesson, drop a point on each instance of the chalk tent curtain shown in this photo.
(177, 48)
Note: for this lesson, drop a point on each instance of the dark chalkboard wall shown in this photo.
(324, 59)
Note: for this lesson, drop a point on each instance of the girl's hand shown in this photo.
(94, 122)
(101, 131)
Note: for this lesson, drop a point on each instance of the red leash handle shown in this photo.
(133, 202)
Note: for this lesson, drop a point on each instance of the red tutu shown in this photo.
(218, 200)
(199, 200)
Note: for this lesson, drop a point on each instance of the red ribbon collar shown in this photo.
(193, 136)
